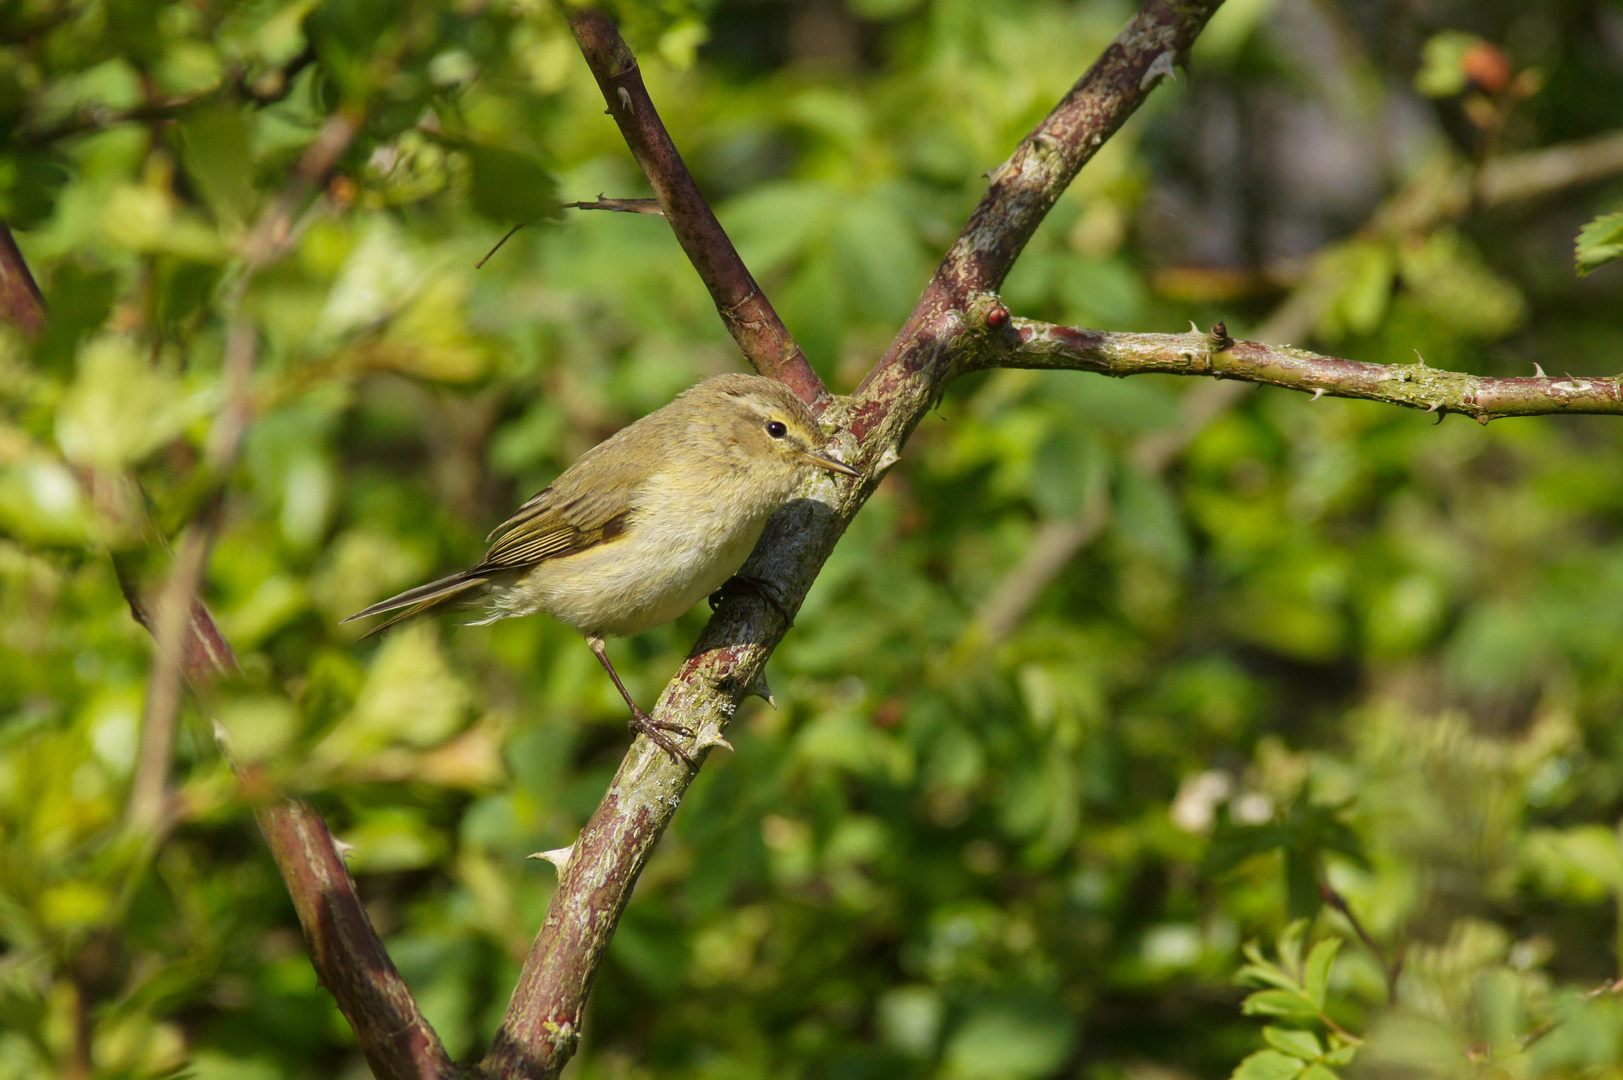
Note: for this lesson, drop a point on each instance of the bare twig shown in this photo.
(1533, 173)
(266, 88)
(206, 655)
(345, 949)
(1415, 386)
(749, 316)
(624, 206)
(1055, 544)
(265, 242)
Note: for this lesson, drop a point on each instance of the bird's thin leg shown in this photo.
(641, 722)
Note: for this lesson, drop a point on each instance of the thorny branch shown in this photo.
(1426, 203)
(952, 322)
(1416, 386)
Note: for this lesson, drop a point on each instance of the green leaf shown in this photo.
(1341, 1053)
(1279, 1003)
(1316, 974)
(1447, 276)
(1003, 1043)
(393, 839)
(1361, 273)
(508, 186)
(1268, 1065)
(1302, 896)
(1442, 71)
(1290, 944)
(1234, 844)
(1600, 242)
(219, 156)
(1069, 469)
(1149, 519)
(79, 299)
(1300, 1044)
(1266, 973)
(1319, 1072)
(119, 409)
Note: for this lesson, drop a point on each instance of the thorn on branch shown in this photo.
(705, 742)
(1419, 358)
(761, 690)
(1161, 65)
(626, 102)
(1538, 371)
(1318, 392)
(558, 857)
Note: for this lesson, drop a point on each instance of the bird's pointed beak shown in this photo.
(832, 464)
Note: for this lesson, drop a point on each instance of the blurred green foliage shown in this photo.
(1333, 646)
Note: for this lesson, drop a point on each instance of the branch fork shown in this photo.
(959, 325)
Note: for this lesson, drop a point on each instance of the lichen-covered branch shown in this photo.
(1416, 386)
(1026, 186)
(955, 320)
(749, 316)
(1423, 204)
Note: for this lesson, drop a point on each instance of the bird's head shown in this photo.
(766, 424)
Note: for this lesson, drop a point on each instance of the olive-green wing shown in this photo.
(591, 503)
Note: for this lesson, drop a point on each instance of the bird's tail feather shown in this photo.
(419, 599)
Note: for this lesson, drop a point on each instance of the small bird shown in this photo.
(644, 524)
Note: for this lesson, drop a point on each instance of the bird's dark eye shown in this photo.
(776, 429)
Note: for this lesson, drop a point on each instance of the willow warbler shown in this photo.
(645, 523)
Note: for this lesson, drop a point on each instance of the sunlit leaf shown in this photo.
(1600, 242)
(1268, 1065)
(1316, 972)
(1299, 1044)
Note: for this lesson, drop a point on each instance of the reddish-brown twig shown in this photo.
(749, 316)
